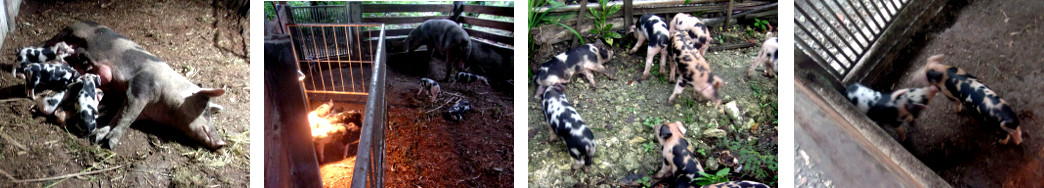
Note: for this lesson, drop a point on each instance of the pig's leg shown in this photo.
(590, 78)
(755, 65)
(421, 90)
(319, 148)
(648, 61)
(127, 115)
(601, 69)
(678, 88)
(540, 91)
(663, 59)
(674, 69)
(665, 170)
(641, 40)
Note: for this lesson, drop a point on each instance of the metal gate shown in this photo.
(839, 34)
(337, 60)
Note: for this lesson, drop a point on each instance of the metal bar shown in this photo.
(834, 32)
(335, 25)
(843, 26)
(825, 37)
(324, 61)
(326, 50)
(862, 19)
(335, 92)
(819, 59)
(315, 48)
(817, 42)
(876, 25)
(351, 69)
(340, 70)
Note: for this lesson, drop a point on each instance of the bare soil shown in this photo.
(622, 115)
(998, 42)
(205, 43)
(424, 148)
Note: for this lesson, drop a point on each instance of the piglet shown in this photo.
(698, 37)
(768, 56)
(33, 54)
(567, 124)
(457, 111)
(967, 91)
(694, 70)
(48, 76)
(583, 59)
(464, 77)
(737, 184)
(896, 108)
(679, 163)
(430, 87)
(653, 28)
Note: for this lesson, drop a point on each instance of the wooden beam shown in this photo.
(493, 10)
(384, 8)
(574, 8)
(490, 36)
(401, 20)
(502, 25)
(628, 9)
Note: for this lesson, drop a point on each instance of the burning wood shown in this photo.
(330, 125)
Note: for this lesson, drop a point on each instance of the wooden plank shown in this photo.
(383, 8)
(682, 8)
(401, 20)
(494, 10)
(502, 25)
(490, 36)
(574, 8)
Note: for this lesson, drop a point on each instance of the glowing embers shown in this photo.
(333, 125)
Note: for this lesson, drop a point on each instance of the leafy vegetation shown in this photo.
(758, 165)
(761, 24)
(538, 18)
(707, 179)
(602, 28)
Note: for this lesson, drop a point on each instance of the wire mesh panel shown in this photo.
(839, 33)
(320, 14)
(333, 57)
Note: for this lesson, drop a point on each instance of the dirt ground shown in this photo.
(203, 42)
(998, 42)
(424, 148)
(622, 115)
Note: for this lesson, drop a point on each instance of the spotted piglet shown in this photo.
(654, 29)
(567, 124)
(430, 86)
(698, 37)
(967, 91)
(48, 76)
(464, 77)
(679, 163)
(768, 56)
(737, 184)
(33, 54)
(78, 106)
(694, 70)
(894, 109)
(457, 111)
(560, 69)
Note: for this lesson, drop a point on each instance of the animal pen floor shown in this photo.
(426, 149)
(202, 42)
(621, 117)
(998, 42)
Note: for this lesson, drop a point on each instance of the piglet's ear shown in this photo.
(212, 92)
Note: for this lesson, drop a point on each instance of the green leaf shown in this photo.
(609, 41)
(614, 34)
(574, 32)
(723, 172)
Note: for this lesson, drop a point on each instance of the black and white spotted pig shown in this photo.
(464, 77)
(567, 125)
(967, 91)
(737, 184)
(149, 87)
(654, 29)
(560, 69)
(430, 86)
(679, 163)
(694, 70)
(442, 37)
(81, 101)
(47, 76)
(896, 108)
(33, 54)
(768, 56)
(457, 111)
(698, 37)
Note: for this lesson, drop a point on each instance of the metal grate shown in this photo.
(320, 14)
(333, 58)
(839, 33)
(369, 165)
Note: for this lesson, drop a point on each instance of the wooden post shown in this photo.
(628, 13)
(728, 16)
(580, 19)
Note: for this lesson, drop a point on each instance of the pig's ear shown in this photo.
(214, 108)
(680, 127)
(212, 92)
(665, 131)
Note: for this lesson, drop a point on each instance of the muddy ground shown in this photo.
(424, 148)
(998, 42)
(622, 116)
(201, 41)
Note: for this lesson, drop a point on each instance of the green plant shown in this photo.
(538, 18)
(707, 179)
(649, 146)
(645, 181)
(761, 24)
(750, 32)
(603, 29)
(755, 163)
(652, 122)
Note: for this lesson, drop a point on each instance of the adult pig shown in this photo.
(443, 37)
(150, 88)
